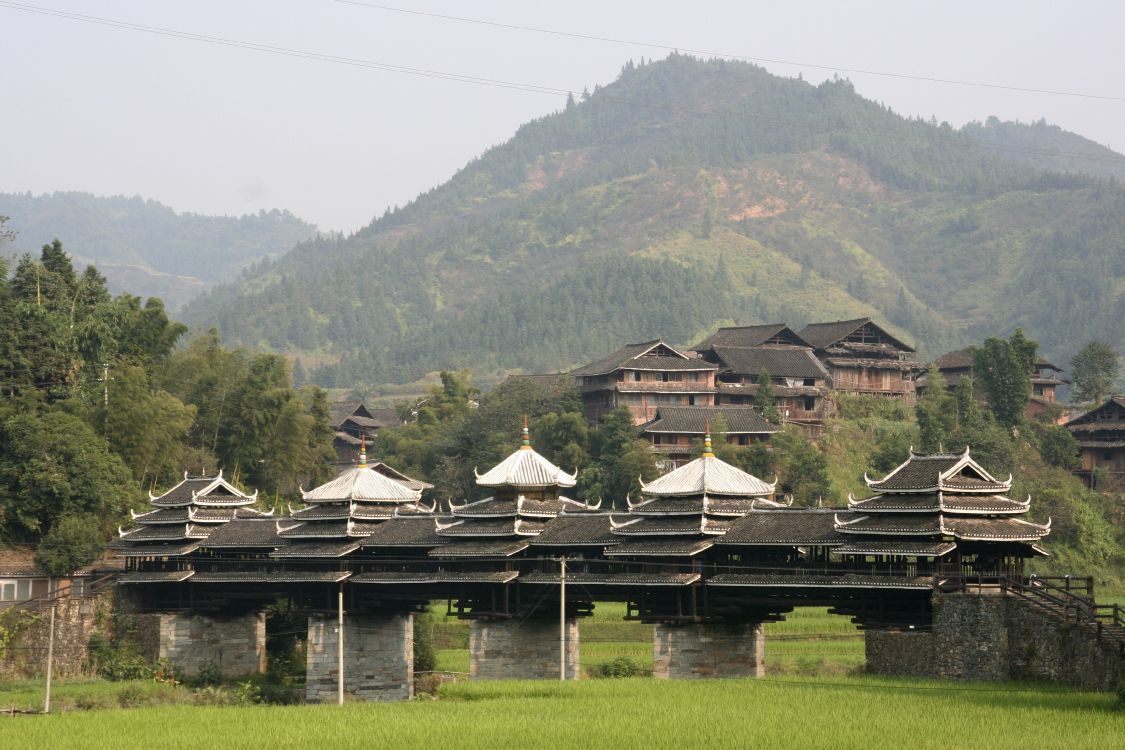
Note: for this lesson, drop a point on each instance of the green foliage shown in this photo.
(1056, 445)
(425, 657)
(765, 399)
(73, 542)
(13, 622)
(620, 461)
(936, 413)
(118, 660)
(620, 666)
(1004, 372)
(860, 405)
(52, 466)
(802, 467)
(1094, 371)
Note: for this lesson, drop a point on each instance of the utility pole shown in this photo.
(50, 660)
(340, 649)
(562, 618)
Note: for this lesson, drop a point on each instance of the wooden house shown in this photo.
(674, 429)
(862, 357)
(350, 421)
(1045, 378)
(644, 377)
(800, 381)
(1100, 433)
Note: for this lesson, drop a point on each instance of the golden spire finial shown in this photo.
(363, 450)
(707, 452)
(525, 436)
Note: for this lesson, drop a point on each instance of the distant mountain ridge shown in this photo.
(685, 195)
(145, 247)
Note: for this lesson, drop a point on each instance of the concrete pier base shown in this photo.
(378, 658)
(521, 650)
(230, 646)
(703, 650)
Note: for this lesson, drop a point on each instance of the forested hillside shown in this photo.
(146, 248)
(685, 195)
(1048, 147)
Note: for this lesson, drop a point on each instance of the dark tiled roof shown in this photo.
(481, 548)
(438, 576)
(331, 548)
(879, 547)
(578, 530)
(746, 336)
(786, 528)
(17, 561)
(614, 579)
(660, 546)
(405, 532)
(920, 472)
(823, 335)
(995, 529)
(1104, 416)
(308, 576)
(245, 533)
(633, 357)
(694, 419)
(490, 507)
(231, 576)
(182, 492)
(481, 527)
(646, 525)
(341, 410)
(850, 580)
(323, 512)
(669, 506)
(398, 476)
(155, 550)
(895, 523)
(949, 503)
(779, 361)
(155, 576)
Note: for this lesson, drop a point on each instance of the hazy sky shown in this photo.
(216, 129)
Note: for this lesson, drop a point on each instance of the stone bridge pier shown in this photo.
(230, 645)
(521, 649)
(710, 649)
(378, 657)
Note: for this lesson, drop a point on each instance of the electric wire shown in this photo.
(727, 55)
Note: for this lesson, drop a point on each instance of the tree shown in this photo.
(765, 399)
(1003, 369)
(75, 541)
(936, 411)
(802, 467)
(620, 460)
(1094, 370)
(53, 466)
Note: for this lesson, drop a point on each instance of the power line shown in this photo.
(285, 51)
(513, 85)
(727, 55)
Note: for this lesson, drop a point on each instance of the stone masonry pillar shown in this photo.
(232, 646)
(378, 658)
(971, 636)
(521, 650)
(702, 650)
(900, 653)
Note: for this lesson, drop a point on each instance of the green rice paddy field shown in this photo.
(814, 696)
(626, 713)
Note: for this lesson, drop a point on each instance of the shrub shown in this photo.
(620, 666)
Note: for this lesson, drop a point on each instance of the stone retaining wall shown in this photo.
(995, 638)
(76, 619)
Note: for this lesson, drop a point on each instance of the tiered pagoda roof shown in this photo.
(686, 510)
(341, 512)
(184, 516)
(931, 504)
(528, 491)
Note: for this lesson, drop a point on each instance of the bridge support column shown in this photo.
(521, 650)
(702, 650)
(900, 653)
(378, 658)
(231, 645)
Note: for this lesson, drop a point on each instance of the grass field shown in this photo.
(768, 713)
